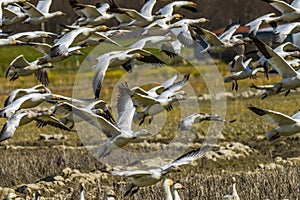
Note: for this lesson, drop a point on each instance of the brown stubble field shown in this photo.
(267, 170)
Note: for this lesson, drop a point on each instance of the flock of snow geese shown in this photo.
(175, 32)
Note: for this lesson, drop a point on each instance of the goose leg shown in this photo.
(128, 189)
(150, 120)
(232, 87)
(142, 121)
(236, 85)
(287, 92)
(134, 191)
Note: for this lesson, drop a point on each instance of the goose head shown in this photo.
(59, 13)
(110, 194)
(177, 186)
(11, 196)
(102, 28)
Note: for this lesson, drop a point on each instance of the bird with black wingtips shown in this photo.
(119, 133)
(39, 13)
(124, 58)
(288, 11)
(74, 114)
(287, 125)
(17, 93)
(169, 9)
(153, 105)
(21, 67)
(290, 79)
(269, 90)
(187, 122)
(143, 178)
(223, 41)
(269, 18)
(139, 19)
(23, 117)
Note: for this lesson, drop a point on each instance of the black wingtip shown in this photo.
(256, 110)
(262, 47)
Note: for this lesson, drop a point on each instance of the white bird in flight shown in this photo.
(287, 125)
(143, 178)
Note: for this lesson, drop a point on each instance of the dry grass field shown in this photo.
(263, 169)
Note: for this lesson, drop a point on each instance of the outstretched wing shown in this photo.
(125, 107)
(279, 63)
(188, 157)
(273, 116)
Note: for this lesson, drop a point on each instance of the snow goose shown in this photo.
(265, 19)
(184, 32)
(174, 189)
(40, 13)
(156, 91)
(169, 9)
(268, 89)
(120, 58)
(221, 42)
(240, 70)
(282, 31)
(23, 117)
(4, 3)
(164, 25)
(11, 196)
(161, 41)
(28, 101)
(17, 93)
(12, 14)
(171, 189)
(54, 54)
(288, 12)
(284, 50)
(286, 125)
(119, 134)
(78, 34)
(62, 45)
(187, 122)
(6, 41)
(95, 15)
(98, 37)
(288, 49)
(83, 113)
(233, 195)
(81, 191)
(28, 36)
(238, 64)
(290, 77)
(110, 195)
(138, 19)
(143, 178)
(21, 67)
(153, 105)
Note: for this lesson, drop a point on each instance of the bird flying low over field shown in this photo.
(143, 178)
(287, 125)
(23, 117)
(290, 78)
(21, 67)
(123, 58)
(152, 104)
(195, 118)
